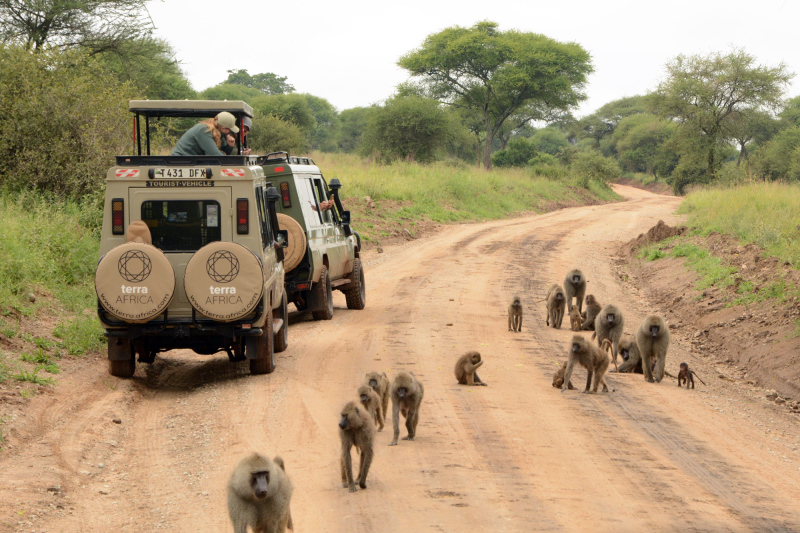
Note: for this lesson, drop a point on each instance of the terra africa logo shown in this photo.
(222, 266)
(134, 266)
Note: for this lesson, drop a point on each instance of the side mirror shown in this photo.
(282, 239)
(345, 217)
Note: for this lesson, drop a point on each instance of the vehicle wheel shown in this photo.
(264, 363)
(281, 341)
(356, 293)
(124, 368)
(327, 296)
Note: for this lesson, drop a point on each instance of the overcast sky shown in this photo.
(346, 52)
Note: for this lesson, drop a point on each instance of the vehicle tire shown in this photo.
(264, 363)
(281, 341)
(356, 293)
(124, 368)
(326, 296)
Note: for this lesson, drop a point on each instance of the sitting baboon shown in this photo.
(406, 392)
(466, 367)
(608, 325)
(685, 375)
(558, 377)
(575, 286)
(592, 310)
(515, 315)
(592, 358)
(372, 403)
(380, 384)
(355, 429)
(629, 351)
(653, 341)
(574, 319)
(259, 492)
(607, 347)
(555, 306)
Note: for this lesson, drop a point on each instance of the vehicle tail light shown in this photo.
(287, 200)
(117, 216)
(242, 216)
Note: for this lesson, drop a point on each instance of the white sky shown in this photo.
(346, 51)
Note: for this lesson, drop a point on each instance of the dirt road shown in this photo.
(517, 455)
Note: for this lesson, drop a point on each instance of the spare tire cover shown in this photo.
(224, 281)
(135, 282)
(294, 253)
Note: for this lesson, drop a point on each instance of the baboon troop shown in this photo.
(629, 351)
(372, 404)
(380, 384)
(574, 319)
(558, 377)
(575, 286)
(592, 358)
(556, 302)
(515, 315)
(653, 341)
(406, 393)
(685, 374)
(608, 325)
(259, 492)
(466, 367)
(590, 313)
(355, 429)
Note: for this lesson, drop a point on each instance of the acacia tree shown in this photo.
(267, 82)
(497, 73)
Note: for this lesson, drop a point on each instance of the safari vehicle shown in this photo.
(191, 251)
(323, 252)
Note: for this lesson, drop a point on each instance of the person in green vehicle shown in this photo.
(206, 137)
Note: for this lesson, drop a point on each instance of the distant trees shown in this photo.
(267, 82)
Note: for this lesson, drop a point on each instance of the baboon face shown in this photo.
(576, 279)
(576, 347)
(516, 303)
(476, 358)
(625, 354)
(259, 482)
(654, 331)
(401, 392)
(350, 419)
(610, 318)
(684, 367)
(559, 296)
(373, 383)
(364, 398)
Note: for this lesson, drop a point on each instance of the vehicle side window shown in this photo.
(263, 216)
(309, 203)
(327, 216)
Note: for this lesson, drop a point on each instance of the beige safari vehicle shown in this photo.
(191, 251)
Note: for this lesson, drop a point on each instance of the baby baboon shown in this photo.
(629, 350)
(380, 384)
(558, 377)
(372, 403)
(607, 347)
(608, 325)
(259, 492)
(555, 306)
(592, 358)
(653, 341)
(591, 312)
(406, 394)
(574, 319)
(515, 315)
(355, 429)
(685, 375)
(575, 286)
(466, 369)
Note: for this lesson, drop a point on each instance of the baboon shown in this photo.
(558, 377)
(575, 286)
(685, 375)
(592, 358)
(653, 341)
(555, 306)
(592, 310)
(466, 369)
(515, 315)
(356, 429)
(259, 492)
(607, 347)
(608, 325)
(407, 392)
(574, 319)
(629, 351)
(372, 403)
(380, 384)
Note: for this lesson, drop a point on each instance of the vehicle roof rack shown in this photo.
(277, 157)
(189, 108)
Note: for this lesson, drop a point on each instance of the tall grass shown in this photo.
(767, 214)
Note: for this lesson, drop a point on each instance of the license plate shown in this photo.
(180, 173)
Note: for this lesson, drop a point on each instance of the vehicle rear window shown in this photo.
(182, 225)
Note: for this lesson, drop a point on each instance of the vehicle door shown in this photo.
(272, 268)
(334, 236)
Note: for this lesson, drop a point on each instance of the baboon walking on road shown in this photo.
(608, 325)
(592, 310)
(259, 492)
(372, 404)
(380, 384)
(355, 429)
(555, 306)
(466, 367)
(575, 286)
(685, 374)
(653, 341)
(592, 358)
(574, 319)
(515, 315)
(406, 393)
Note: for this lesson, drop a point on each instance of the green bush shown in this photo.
(517, 154)
(590, 165)
(273, 134)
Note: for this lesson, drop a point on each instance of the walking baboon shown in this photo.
(555, 306)
(372, 404)
(653, 341)
(466, 367)
(515, 315)
(592, 310)
(685, 375)
(574, 319)
(558, 377)
(608, 325)
(607, 347)
(380, 384)
(629, 351)
(356, 429)
(575, 286)
(259, 492)
(592, 358)
(406, 392)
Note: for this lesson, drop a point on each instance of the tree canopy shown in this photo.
(267, 82)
